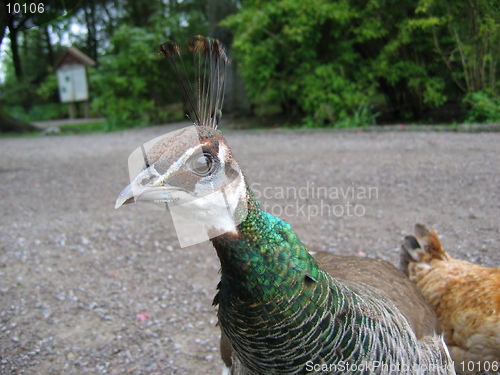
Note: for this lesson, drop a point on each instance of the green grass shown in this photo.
(66, 129)
(19, 135)
(91, 127)
(84, 128)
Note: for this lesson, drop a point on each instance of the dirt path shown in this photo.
(86, 289)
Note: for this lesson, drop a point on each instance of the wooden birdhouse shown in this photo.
(71, 70)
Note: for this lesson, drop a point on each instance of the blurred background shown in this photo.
(310, 63)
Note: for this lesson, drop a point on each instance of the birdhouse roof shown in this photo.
(73, 56)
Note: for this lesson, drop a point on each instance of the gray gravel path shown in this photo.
(86, 289)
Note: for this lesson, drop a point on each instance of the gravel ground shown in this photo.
(86, 289)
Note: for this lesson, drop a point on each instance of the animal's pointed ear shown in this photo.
(410, 244)
(408, 253)
(420, 230)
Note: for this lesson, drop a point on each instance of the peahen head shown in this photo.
(191, 171)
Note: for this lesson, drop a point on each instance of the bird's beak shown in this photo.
(138, 191)
(127, 196)
(132, 193)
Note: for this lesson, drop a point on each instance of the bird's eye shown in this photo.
(202, 165)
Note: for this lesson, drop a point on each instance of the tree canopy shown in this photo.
(327, 60)
(320, 62)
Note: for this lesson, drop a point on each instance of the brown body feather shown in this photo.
(377, 274)
(389, 281)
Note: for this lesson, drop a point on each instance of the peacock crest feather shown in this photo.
(210, 57)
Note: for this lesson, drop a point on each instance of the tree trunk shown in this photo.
(50, 49)
(3, 21)
(14, 46)
(10, 124)
(90, 10)
(140, 12)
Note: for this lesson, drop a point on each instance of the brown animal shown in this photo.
(465, 297)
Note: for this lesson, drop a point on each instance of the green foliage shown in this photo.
(364, 116)
(48, 89)
(323, 60)
(483, 107)
(126, 79)
(39, 112)
(38, 84)
(14, 93)
(291, 52)
(135, 86)
(466, 36)
(330, 97)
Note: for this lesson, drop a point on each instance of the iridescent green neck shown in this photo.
(264, 255)
(271, 294)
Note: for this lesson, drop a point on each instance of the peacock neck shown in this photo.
(263, 254)
(271, 294)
